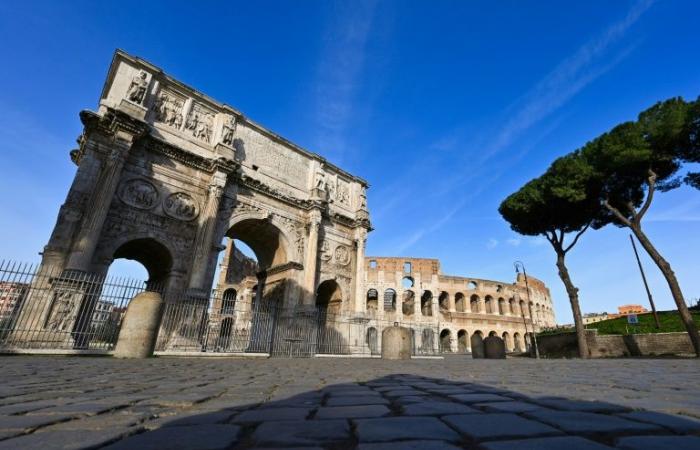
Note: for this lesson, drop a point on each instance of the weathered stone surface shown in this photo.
(508, 407)
(393, 428)
(433, 408)
(351, 412)
(408, 445)
(272, 414)
(139, 330)
(396, 343)
(201, 437)
(659, 443)
(549, 443)
(494, 348)
(590, 423)
(498, 426)
(297, 433)
(676, 423)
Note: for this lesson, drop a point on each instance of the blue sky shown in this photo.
(445, 107)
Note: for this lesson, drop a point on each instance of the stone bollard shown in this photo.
(396, 343)
(137, 336)
(494, 348)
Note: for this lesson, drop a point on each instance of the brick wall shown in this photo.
(564, 345)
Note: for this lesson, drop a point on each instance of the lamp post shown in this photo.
(518, 265)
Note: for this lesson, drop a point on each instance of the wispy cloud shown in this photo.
(492, 243)
(339, 73)
(589, 62)
(514, 242)
(568, 78)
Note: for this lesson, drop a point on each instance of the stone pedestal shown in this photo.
(494, 348)
(396, 343)
(137, 337)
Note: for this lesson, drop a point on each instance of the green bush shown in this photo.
(670, 322)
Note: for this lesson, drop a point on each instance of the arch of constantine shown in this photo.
(166, 174)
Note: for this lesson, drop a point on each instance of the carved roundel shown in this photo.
(342, 255)
(139, 193)
(180, 206)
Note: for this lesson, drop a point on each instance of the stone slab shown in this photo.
(404, 428)
(480, 427)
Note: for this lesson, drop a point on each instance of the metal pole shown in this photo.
(527, 286)
(646, 285)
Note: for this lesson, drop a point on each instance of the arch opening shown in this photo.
(426, 303)
(153, 256)
(462, 341)
(477, 341)
(460, 302)
(408, 303)
(446, 341)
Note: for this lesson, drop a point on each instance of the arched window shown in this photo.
(488, 304)
(462, 341)
(427, 341)
(445, 341)
(471, 285)
(372, 300)
(373, 341)
(426, 303)
(477, 341)
(444, 301)
(390, 300)
(501, 306)
(228, 301)
(507, 342)
(408, 305)
(460, 302)
(493, 333)
(474, 304)
(517, 342)
(511, 306)
(407, 282)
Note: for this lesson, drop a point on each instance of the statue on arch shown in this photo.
(137, 88)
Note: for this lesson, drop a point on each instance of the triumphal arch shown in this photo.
(165, 173)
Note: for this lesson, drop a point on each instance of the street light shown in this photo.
(518, 264)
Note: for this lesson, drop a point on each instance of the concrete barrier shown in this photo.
(494, 348)
(396, 343)
(137, 336)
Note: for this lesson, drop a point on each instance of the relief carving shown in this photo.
(168, 109)
(200, 123)
(139, 193)
(325, 251)
(343, 193)
(180, 206)
(228, 130)
(137, 89)
(342, 255)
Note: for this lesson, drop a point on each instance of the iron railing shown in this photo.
(42, 307)
(46, 308)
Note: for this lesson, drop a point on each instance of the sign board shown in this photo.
(632, 319)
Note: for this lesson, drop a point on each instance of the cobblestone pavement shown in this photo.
(198, 403)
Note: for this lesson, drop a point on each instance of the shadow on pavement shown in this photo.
(391, 413)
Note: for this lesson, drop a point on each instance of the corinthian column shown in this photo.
(360, 271)
(106, 185)
(204, 245)
(311, 258)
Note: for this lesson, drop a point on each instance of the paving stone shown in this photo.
(299, 433)
(269, 414)
(579, 405)
(479, 398)
(19, 408)
(65, 439)
(359, 400)
(30, 422)
(201, 418)
(590, 423)
(351, 412)
(508, 407)
(89, 409)
(201, 437)
(434, 408)
(449, 391)
(411, 399)
(105, 421)
(549, 443)
(481, 427)
(395, 428)
(403, 393)
(659, 443)
(676, 423)
(408, 445)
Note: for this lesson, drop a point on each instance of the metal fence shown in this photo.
(46, 308)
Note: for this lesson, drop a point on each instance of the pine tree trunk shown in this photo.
(672, 281)
(575, 308)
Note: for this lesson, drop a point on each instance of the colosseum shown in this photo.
(445, 313)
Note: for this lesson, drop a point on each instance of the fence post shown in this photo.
(137, 337)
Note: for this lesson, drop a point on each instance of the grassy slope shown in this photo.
(670, 321)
